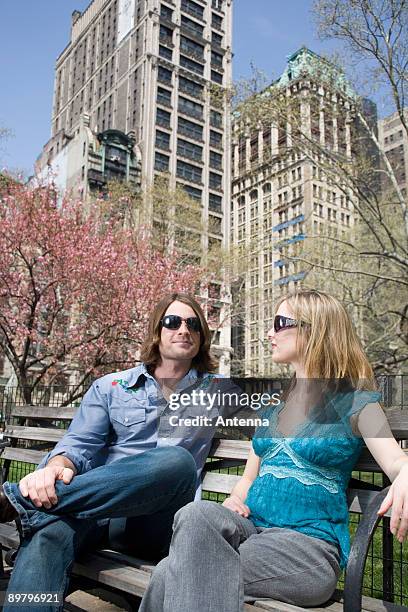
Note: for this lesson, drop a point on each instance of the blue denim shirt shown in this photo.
(125, 413)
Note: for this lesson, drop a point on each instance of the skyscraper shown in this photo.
(136, 95)
(283, 192)
(393, 140)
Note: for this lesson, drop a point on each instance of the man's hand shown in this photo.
(235, 503)
(39, 485)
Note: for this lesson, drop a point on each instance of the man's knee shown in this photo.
(176, 461)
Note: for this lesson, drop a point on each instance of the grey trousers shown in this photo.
(218, 560)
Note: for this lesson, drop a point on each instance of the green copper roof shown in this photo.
(306, 63)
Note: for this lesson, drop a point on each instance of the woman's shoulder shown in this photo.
(359, 398)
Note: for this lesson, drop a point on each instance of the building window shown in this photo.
(164, 75)
(163, 96)
(218, 5)
(216, 59)
(190, 108)
(189, 172)
(162, 140)
(215, 181)
(161, 162)
(188, 128)
(216, 77)
(189, 46)
(215, 160)
(163, 118)
(165, 53)
(193, 192)
(194, 27)
(166, 12)
(115, 163)
(216, 39)
(193, 8)
(166, 35)
(215, 202)
(215, 139)
(215, 119)
(191, 65)
(215, 224)
(190, 150)
(216, 21)
(189, 87)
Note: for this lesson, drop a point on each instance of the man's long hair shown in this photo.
(150, 354)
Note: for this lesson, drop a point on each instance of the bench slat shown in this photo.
(25, 455)
(230, 449)
(44, 434)
(112, 573)
(219, 483)
(65, 413)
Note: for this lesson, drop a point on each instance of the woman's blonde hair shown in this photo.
(327, 339)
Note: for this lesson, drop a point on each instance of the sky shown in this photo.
(34, 32)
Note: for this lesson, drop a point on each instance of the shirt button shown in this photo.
(126, 420)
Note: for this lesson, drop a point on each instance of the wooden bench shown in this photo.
(32, 430)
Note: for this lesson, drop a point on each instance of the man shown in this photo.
(119, 458)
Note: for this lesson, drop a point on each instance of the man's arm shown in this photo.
(73, 454)
(87, 434)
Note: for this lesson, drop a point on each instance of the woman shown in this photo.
(283, 531)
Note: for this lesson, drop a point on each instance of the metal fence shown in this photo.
(386, 570)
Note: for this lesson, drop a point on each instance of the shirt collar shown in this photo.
(137, 374)
(140, 371)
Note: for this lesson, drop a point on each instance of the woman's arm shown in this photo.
(374, 427)
(235, 501)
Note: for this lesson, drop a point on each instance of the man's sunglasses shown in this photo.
(280, 322)
(175, 321)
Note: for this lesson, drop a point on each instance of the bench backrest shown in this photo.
(35, 439)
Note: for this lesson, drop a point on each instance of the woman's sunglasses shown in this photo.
(280, 322)
(175, 321)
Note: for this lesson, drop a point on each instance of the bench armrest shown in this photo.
(353, 583)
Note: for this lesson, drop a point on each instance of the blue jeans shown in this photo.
(147, 489)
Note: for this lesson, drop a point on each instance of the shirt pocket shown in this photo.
(128, 417)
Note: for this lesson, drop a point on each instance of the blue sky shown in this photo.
(33, 34)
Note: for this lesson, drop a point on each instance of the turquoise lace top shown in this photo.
(303, 479)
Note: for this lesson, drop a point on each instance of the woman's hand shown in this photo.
(397, 497)
(235, 503)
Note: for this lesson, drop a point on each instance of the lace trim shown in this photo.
(306, 472)
(306, 478)
(300, 462)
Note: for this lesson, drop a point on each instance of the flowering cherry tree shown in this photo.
(76, 289)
